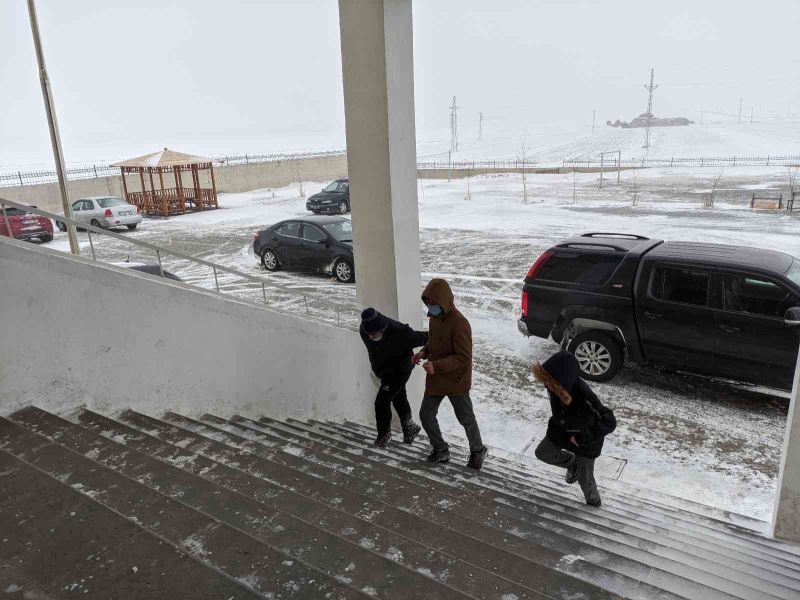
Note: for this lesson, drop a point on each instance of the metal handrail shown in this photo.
(159, 250)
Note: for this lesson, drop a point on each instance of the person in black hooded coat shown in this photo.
(579, 424)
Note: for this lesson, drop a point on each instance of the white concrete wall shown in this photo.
(76, 332)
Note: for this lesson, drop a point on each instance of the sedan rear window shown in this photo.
(794, 272)
(14, 212)
(109, 202)
(588, 269)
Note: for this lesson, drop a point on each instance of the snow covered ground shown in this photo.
(710, 441)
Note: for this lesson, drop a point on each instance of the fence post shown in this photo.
(701, 161)
(734, 161)
(767, 159)
(91, 245)
(671, 159)
(216, 281)
(95, 171)
(20, 178)
(160, 267)
(264, 292)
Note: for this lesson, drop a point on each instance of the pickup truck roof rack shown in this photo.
(593, 245)
(627, 236)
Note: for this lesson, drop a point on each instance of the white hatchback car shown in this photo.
(105, 212)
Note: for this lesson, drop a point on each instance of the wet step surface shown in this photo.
(168, 506)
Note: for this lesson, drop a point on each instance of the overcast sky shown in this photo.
(205, 76)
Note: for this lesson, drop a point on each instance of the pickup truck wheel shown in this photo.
(599, 355)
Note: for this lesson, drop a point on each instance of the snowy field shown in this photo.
(710, 441)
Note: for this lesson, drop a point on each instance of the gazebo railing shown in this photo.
(252, 289)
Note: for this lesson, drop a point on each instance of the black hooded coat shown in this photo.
(585, 417)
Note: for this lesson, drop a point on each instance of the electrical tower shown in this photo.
(480, 126)
(650, 88)
(454, 126)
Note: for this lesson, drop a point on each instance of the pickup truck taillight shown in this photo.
(524, 304)
(108, 213)
(539, 264)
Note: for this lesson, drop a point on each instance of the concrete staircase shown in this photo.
(173, 507)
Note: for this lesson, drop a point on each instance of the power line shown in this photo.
(650, 88)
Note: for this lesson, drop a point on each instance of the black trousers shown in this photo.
(391, 393)
(549, 453)
(462, 406)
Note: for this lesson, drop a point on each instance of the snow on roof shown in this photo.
(165, 158)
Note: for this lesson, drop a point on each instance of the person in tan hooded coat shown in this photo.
(449, 373)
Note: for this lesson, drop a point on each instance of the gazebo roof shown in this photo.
(165, 158)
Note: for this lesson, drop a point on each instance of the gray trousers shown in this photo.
(462, 406)
(549, 453)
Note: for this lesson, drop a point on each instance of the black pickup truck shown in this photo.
(723, 311)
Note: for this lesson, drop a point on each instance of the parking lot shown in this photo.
(720, 439)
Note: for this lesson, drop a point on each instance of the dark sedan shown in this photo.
(333, 199)
(319, 243)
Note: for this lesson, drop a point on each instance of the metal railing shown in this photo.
(464, 165)
(686, 161)
(257, 290)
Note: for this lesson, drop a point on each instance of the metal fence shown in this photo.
(686, 161)
(465, 165)
(18, 178)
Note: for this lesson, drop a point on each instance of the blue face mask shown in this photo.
(434, 310)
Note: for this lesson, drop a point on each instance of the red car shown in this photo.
(25, 225)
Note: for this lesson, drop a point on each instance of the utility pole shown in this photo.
(650, 88)
(480, 126)
(594, 114)
(740, 110)
(453, 126)
(55, 138)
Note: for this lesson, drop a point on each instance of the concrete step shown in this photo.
(655, 556)
(194, 513)
(695, 529)
(373, 480)
(538, 569)
(168, 505)
(680, 509)
(535, 498)
(71, 546)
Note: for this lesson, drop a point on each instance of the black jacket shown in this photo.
(390, 358)
(585, 418)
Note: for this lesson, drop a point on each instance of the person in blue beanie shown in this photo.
(390, 345)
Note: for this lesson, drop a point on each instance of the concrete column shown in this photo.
(378, 75)
(786, 514)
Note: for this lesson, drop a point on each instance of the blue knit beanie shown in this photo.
(372, 321)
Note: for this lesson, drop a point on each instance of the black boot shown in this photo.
(572, 473)
(410, 431)
(383, 439)
(440, 456)
(476, 459)
(594, 502)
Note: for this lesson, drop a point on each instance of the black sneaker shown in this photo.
(410, 432)
(439, 456)
(476, 459)
(595, 502)
(572, 473)
(383, 439)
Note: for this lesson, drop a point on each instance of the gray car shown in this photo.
(105, 212)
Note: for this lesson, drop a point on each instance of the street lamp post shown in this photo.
(55, 138)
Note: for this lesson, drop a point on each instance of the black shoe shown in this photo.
(410, 432)
(595, 502)
(572, 473)
(439, 456)
(383, 439)
(476, 458)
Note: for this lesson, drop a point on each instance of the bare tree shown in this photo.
(710, 198)
(792, 173)
(523, 157)
(299, 181)
(574, 185)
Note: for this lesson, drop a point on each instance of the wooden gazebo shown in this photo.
(174, 198)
